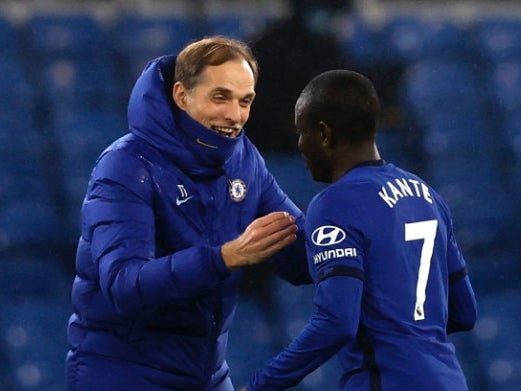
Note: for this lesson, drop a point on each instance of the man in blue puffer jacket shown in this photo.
(173, 210)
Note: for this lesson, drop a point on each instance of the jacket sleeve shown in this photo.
(333, 324)
(119, 222)
(462, 301)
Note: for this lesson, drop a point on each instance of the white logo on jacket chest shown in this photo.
(183, 197)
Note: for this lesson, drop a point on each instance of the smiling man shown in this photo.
(173, 211)
(222, 96)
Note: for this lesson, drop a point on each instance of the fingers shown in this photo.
(273, 218)
(261, 239)
(265, 226)
(271, 233)
(279, 241)
(274, 233)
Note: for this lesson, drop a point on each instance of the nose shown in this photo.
(236, 113)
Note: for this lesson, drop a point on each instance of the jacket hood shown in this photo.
(153, 116)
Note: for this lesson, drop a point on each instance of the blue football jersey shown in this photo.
(383, 256)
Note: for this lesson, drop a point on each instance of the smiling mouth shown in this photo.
(226, 131)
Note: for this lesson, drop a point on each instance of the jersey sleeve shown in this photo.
(334, 237)
(462, 304)
(335, 250)
(462, 300)
(333, 324)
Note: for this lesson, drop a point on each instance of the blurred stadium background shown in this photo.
(66, 69)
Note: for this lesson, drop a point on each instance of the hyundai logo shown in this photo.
(327, 235)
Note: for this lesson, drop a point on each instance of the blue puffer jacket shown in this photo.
(151, 286)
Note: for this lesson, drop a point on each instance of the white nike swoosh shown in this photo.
(181, 201)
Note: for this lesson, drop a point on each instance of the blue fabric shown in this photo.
(95, 372)
(381, 221)
(151, 286)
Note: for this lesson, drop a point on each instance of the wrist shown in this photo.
(229, 256)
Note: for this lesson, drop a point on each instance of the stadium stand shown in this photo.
(496, 38)
(9, 38)
(136, 39)
(34, 309)
(64, 81)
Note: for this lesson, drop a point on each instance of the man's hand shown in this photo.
(261, 239)
(243, 389)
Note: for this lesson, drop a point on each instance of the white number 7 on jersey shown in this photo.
(426, 231)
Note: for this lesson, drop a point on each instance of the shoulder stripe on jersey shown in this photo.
(340, 271)
(458, 275)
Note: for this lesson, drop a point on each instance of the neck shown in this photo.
(353, 156)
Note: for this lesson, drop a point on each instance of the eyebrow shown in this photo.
(229, 92)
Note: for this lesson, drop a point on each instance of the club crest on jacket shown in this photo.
(237, 189)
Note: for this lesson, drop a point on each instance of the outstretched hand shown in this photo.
(261, 239)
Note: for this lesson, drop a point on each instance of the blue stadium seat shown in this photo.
(295, 306)
(251, 341)
(81, 137)
(470, 361)
(438, 85)
(482, 209)
(27, 217)
(65, 35)
(488, 354)
(494, 270)
(410, 38)
(68, 84)
(243, 26)
(34, 310)
(450, 103)
(506, 85)
(10, 47)
(404, 39)
(512, 127)
(6, 376)
(363, 44)
(28, 225)
(16, 96)
(405, 36)
(137, 39)
(290, 172)
(34, 334)
(448, 134)
(34, 276)
(72, 64)
(481, 223)
(449, 40)
(497, 336)
(394, 147)
(498, 38)
(230, 25)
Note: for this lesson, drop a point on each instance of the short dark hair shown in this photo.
(346, 101)
(215, 50)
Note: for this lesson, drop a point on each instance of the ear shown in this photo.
(179, 93)
(326, 135)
